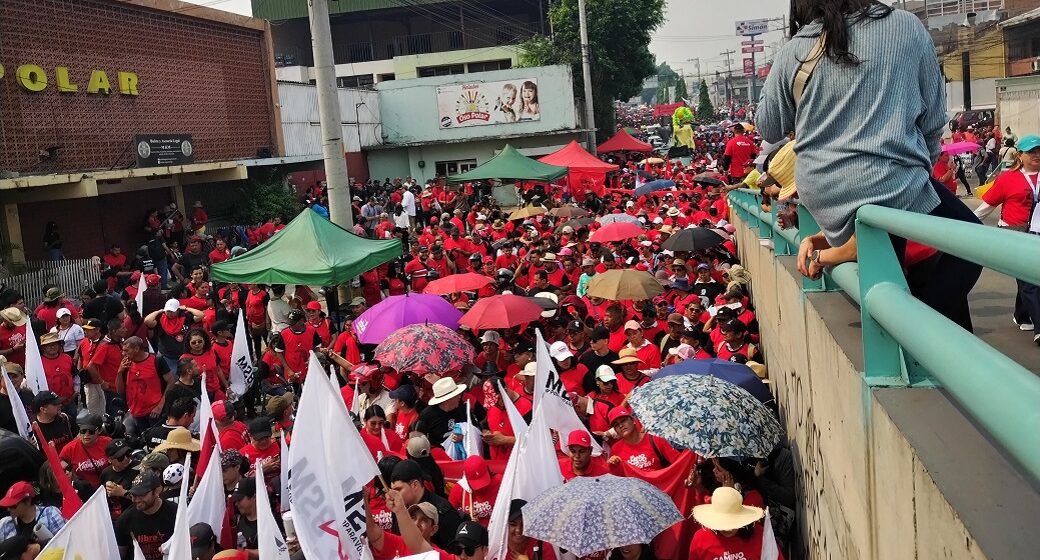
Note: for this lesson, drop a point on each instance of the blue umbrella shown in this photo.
(714, 418)
(589, 515)
(738, 374)
(658, 185)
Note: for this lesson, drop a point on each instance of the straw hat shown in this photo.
(444, 389)
(179, 438)
(727, 511)
(627, 356)
(15, 316)
(781, 169)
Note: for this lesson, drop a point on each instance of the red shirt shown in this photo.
(741, 151)
(939, 170)
(650, 355)
(597, 467)
(572, 378)
(234, 436)
(218, 256)
(642, 455)
(11, 337)
(498, 421)
(394, 547)
(208, 362)
(49, 315)
(59, 375)
(223, 352)
(253, 454)
(107, 358)
(347, 347)
(87, 462)
(482, 500)
(143, 387)
(709, 545)
(1012, 191)
(617, 340)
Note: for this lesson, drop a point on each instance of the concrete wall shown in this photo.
(359, 117)
(404, 67)
(885, 474)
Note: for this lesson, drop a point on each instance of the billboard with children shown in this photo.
(481, 103)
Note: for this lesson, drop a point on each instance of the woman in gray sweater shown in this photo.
(867, 132)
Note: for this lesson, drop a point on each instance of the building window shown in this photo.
(386, 77)
(419, 44)
(448, 168)
(445, 70)
(490, 65)
(360, 52)
(359, 81)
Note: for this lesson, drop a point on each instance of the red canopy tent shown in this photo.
(624, 142)
(586, 172)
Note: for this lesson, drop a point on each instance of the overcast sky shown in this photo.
(693, 29)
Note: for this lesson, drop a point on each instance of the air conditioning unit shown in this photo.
(1036, 64)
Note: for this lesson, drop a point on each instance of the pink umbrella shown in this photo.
(617, 231)
(501, 312)
(960, 148)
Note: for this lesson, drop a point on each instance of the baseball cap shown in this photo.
(171, 305)
(314, 306)
(575, 326)
(44, 398)
(221, 411)
(559, 351)
(476, 470)
(676, 318)
(18, 491)
(407, 470)
(246, 489)
(406, 394)
(357, 301)
(145, 483)
(427, 509)
(703, 266)
(491, 337)
(580, 438)
(418, 446)
(605, 374)
(1028, 143)
(618, 413)
(63, 312)
(154, 461)
(117, 449)
(631, 325)
(260, 427)
(92, 324)
(515, 508)
(202, 538)
(89, 420)
(470, 534)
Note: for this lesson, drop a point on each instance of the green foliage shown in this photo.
(680, 90)
(666, 75)
(266, 195)
(619, 39)
(705, 110)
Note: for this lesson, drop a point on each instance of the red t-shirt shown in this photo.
(256, 308)
(11, 337)
(642, 455)
(941, 168)
(208, 362)
(483, 500)
(394, 547)
(218, 256)
(234, 436)
(59, 375)
(1012, 191)
(49, 315)
(741, 150)
(498, 421)
(253, 454)
(709, 545)
(597, 467)
(87, 462)
(617, 340)
(403, 420)
(650, 355)
(107, 358)
(572, 378)
(144, 386)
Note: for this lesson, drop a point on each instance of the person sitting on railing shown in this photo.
(885, 157)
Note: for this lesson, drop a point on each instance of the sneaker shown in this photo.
(1036, 339)
(1022, 326)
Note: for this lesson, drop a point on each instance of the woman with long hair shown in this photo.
(867, 127)
(199, 348)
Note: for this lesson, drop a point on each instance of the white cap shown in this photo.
(605, 373)
(559, 351)
(491, 337)
(63, 312)
(529, 370)
(172, 305)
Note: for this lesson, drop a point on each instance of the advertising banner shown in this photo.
(752, 26)
(481, 103)
(749, 67)
(160, 150)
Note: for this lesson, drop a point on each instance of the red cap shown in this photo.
(580, 438)
(618, 413)
(313, 306)
(220, 412)
(16, 493)
(477, 474)
(642, 267)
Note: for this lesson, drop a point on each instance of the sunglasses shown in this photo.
(88, 431)
(467, 550)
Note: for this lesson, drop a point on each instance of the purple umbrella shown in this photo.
(394, 312)
(960, 148)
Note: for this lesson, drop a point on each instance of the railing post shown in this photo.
(780, 245)
(882, 358)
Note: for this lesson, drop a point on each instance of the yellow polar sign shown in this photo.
(33, 77)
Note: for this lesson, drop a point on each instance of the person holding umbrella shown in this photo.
(729, 529)
(636, 448)
(580, 461)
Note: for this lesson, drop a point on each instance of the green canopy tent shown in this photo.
(311, 251)
(511, 164)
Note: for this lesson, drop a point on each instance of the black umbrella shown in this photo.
(575, 223)
(19, 459)
(693, 239)
(708, 180)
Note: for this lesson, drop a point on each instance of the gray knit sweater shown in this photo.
(866, 134)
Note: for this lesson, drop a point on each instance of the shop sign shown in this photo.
(161, 150)
(34, 78)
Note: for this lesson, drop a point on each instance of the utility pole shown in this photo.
(729, 72)
(586, 70)
(328, 113)
(697, 62)
(752, 98)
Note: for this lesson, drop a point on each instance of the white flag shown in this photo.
(179, 545)
(139, 298)
(272, 542)
(205, 412)
(769, 549)
(498, 525)
(329, 466)
(209, 502)
(89, 534)
(550, 394)
(516, 420)
(138, 553)
(35, 376)
(240, 377)
(283, 474)
(472, 438)
(21, 417)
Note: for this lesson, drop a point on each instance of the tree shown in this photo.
(680, 90)
(704, 108)
(619, 39)
(267, 194)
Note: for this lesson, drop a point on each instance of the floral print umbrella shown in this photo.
(589, 515)
(425, 349)
(715, 418)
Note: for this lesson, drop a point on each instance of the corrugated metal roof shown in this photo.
(290, 9)
(1022, 18)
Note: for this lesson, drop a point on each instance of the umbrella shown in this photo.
(658, 185)
(738, 374)
(394, 312)
(451, 284)
(960, 148)
(714, 418)
(618, 231)
(589, 515)
(568, 211)
(693, 239)
(624, 284)
(526, 212)
(611, 218)
(575, 223)
(708, 180)
(501, 312)
(651, 161)
(425, 349)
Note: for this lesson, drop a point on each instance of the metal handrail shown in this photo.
(897, 325)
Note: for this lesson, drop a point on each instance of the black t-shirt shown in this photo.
(448, 524)
(710, 290)
(102, 308)
(190, 261)
(438, 424)
(179, 391)
(7, 420)
(155, 435)
(592, 361)
(150, 531)
(249, 532)
(58, 430)
(171, 337)
(124, 478)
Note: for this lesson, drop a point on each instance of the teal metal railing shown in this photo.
(905, 342)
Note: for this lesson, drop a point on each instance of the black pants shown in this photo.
(944, 281)
(1029, 296)
(963, 178)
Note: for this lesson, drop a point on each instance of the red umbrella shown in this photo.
(425, 349)
(617, 231)
(500, 312)
(465, 282)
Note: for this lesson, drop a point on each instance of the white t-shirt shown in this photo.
(70, 337)
(408, 203)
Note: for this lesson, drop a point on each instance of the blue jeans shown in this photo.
(164, 272)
